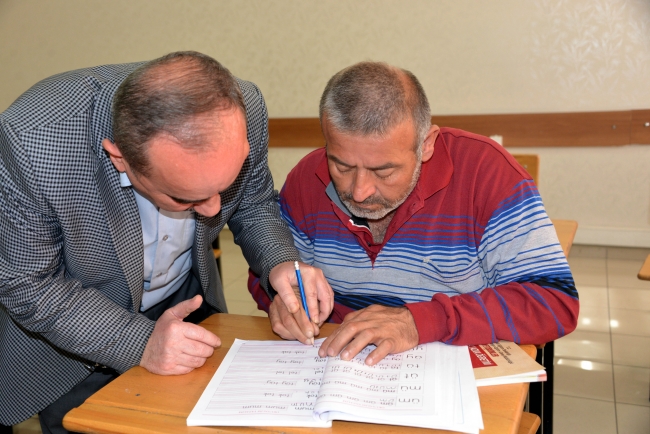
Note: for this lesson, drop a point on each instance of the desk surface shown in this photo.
(566, 232)
(139, 401)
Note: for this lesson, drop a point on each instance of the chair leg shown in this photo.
(547, 394)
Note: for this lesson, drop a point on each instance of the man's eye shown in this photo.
(383, 174)
(343, 169)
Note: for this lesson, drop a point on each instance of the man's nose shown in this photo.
(210, 207)
(363, 187)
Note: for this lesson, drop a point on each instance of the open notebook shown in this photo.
(285, 383)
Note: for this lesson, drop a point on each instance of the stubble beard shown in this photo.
(387, 206)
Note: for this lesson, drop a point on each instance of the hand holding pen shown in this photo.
(314, 295)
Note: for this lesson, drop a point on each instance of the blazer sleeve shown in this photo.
(36, 287)
(264, 238)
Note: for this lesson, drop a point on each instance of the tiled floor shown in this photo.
(602, 370)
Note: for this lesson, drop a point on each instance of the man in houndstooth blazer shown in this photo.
(71, 240)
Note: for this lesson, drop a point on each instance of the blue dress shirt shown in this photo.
(167, 238)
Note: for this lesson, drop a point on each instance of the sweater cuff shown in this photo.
(430, 320)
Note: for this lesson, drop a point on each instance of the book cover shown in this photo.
(504, 363)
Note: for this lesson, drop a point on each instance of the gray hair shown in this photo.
(373, 97)
(166, 95)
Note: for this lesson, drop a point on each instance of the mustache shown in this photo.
(372, 200)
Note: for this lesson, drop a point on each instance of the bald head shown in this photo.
(174, 95)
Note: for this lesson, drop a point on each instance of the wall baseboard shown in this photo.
(611, 236)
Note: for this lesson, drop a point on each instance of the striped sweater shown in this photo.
(471, 252)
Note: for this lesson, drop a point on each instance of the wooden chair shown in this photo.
(530, 162)
(529, 423)
(644, 274)
(540, 396)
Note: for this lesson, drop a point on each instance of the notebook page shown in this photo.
(421, 387)
(263, 383)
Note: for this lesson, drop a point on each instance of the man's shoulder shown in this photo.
(476, 150)
(65, 95)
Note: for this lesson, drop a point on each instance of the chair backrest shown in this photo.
(530, 162)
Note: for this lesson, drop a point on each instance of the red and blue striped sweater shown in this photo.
(471, 253)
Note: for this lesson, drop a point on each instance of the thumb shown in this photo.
(186, 307)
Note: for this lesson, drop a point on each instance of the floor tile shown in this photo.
(241, 307)
(623, 273)
(257, 312)
(629, 253)
(583, 416)
(233, 267)
(584, 251)
(631, 350)
(629, 298)
(583, 379)
(633, 419)
(589, 271)
(582, 345)
(594, 319)
(632, 385)
(237, 290)
(595, 296)
(30, 426)
(630, 322)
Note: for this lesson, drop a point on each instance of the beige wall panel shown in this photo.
(505, 56)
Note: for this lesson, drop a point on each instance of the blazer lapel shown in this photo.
(126, 229)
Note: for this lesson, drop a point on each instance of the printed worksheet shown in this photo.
(286, 383)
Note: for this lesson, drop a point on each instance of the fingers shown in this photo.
(321, 302)
(283, 279)
(184, 308)
(392, 330)
(347, 341)
(199, 334)
(286, 325)
(176, 347)
(319, 294)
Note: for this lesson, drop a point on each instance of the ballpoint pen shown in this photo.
(302, 294)
(302, 289)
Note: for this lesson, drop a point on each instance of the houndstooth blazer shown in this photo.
(71, 253)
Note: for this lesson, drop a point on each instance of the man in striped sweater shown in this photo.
(424, 233)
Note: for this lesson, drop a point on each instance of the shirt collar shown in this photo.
(124, 180)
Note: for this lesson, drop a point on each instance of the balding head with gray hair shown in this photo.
(370, 98)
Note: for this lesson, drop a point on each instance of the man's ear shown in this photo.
(429, 142)
(114, 154)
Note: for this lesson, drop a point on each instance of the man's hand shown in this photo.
(391, 329)
(288, 319)
(176, 347)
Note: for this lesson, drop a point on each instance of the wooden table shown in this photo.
(139, 402)
(566, 232)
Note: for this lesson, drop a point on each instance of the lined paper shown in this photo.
(286, 383)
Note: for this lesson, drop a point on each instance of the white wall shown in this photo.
(505, 56)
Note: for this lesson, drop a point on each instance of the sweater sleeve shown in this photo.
(529, 295)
